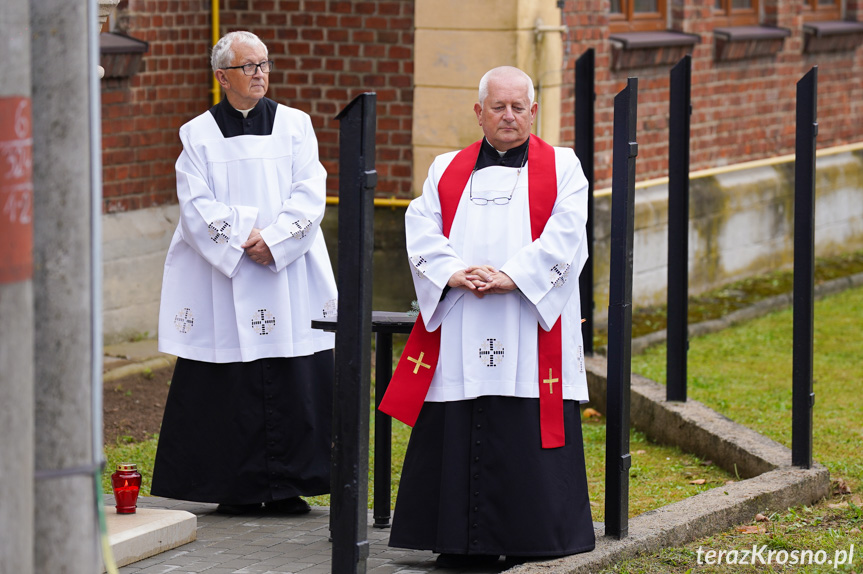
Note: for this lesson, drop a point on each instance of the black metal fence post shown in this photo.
(803, 397)
(383, 429)
(350, 456)
(680, 108)
(585, 96)
(617, 458)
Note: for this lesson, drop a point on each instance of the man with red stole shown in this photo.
(493, 372)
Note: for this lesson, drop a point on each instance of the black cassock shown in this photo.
(244, 433)
(476, 481)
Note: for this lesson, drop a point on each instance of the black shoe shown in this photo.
(465, 560)
(295, 505)
(237, 509)
(513, 561)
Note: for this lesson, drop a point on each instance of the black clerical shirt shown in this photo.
(259, 122)
(488, 156)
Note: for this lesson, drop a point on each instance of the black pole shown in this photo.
(803, 397)
(617, 459)
(585, 96)
(383, 430)
(680, 108)
(350, 456)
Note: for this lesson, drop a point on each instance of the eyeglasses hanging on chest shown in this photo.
(501, 200)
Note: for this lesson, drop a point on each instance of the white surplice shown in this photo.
(217, 304)
(489, 345)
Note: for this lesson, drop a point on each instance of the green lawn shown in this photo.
(745, 373)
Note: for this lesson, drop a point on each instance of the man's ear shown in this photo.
(478, 111)
(222, 78)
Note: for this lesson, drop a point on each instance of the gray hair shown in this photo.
(223, 52)
(483, 83)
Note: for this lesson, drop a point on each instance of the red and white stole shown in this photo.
(413, 375)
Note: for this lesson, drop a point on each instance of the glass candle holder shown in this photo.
(126, 483)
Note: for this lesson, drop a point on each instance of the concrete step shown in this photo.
(147, 532)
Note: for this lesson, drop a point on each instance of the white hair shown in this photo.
(223, 52)
(502, 70)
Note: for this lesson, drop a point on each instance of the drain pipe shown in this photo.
(99, 10)
(215, 35)
(96, 353)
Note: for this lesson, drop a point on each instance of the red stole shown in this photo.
(413, 375)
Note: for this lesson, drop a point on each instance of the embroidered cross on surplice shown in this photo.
(219, 231)
(263, 322)
(491, 353)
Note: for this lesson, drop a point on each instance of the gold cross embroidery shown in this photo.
(550, 382)
(419, 362)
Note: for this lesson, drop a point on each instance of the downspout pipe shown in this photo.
(215, 35)
(96, 351)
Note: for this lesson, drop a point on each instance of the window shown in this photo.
(637, 15)
(736, 12)
(822, 10)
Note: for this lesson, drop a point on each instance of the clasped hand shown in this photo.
(482, 280)
(257, 249)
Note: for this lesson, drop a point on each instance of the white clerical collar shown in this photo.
(245, 112)
(500, 153)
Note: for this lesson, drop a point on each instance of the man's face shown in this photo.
(242, 91)
(506, 114)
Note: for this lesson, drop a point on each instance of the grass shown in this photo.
(829, 531)
(745, 373)
(659, 475)
(143, 453)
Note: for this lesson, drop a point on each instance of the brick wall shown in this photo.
(142, 114)
(742, 110)
(326, 53)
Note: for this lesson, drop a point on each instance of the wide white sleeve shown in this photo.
(213, 229)
(430, 253)
(546, 271)
(298, 223)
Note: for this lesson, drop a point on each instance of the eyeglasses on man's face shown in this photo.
(251, 69)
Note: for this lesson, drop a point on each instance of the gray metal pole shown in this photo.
(65, 519)
(16, 293)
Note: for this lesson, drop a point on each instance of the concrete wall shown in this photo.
(741, 225)
(456, 44)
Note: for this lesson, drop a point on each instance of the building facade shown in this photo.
(424, 59)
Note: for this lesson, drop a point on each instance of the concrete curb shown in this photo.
(774, 485)
(698, 516)
(140, 367)
(692, 426)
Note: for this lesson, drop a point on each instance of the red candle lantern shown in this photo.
(126, 483)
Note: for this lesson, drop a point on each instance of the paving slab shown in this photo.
(147, 532)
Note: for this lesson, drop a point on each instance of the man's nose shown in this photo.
(508, 115)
